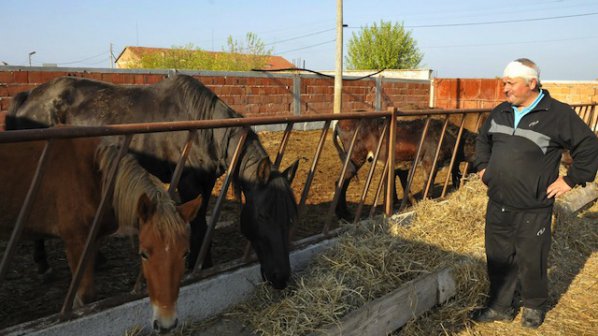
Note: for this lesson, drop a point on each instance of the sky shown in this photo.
(463, 39)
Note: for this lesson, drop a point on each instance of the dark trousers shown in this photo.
(517, 246)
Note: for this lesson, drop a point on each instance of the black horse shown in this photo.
(270, 205)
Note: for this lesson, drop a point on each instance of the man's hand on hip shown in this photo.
(557, 188)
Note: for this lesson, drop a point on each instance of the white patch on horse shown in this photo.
(370, 156)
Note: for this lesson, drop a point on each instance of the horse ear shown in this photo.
(289, 173)
(189, 210)
(263, 170)
(145, 208)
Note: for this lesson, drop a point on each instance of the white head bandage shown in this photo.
(518, 69)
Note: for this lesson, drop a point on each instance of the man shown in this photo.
(518, 152)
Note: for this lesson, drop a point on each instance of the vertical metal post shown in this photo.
(341, 180)
(314, 164)
(368, 181)
(105, 202)
(378, 98)
(283, 145)
(296, 95)
(454, 155)
(338, 75)
(216, 212)
(310, 175)
(430, 181)
(178, 171)
(25, 210)
(379, 189)
(415, 163)
(390, 180)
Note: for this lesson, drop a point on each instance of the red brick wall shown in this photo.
(453, 93)
(457, 93)
(250, 96)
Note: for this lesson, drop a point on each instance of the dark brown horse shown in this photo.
(66, 203)
(270, 205)
(408, 134)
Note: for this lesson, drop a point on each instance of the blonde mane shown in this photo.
(132, 181)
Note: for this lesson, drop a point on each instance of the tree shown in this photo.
(238, 56)
(388, 46)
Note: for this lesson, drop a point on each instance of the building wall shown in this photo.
(248, 93)
(453, 93)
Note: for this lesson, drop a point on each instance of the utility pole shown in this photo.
(338, 76)
(111, 57)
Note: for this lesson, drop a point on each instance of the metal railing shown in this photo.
(586, 111)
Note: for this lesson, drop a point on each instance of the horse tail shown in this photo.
(17, 102)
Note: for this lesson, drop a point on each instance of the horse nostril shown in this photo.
(161, 330)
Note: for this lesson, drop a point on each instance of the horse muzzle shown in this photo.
(277, 280)
(164, 320)
(159, 328)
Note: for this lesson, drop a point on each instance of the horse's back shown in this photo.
(69, 190)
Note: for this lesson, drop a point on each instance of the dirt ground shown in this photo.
(27, 296)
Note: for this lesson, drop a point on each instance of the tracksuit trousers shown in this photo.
(517, 246)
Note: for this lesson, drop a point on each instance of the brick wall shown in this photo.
(248, 94)
(452, 93)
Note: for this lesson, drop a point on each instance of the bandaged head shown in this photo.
(518, 69)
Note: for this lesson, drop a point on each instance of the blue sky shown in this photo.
(458, 38)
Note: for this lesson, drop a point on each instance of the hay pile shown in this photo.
(368, 263)
(376, 259)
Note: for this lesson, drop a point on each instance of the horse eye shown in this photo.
(143, 255)
(186, 254)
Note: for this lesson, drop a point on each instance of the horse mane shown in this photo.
(203, 104)
(132, 181)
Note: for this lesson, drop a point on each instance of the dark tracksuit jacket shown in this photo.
(520, 164)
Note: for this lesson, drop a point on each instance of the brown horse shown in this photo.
(270, 206)
(408, 134)
(66, 202)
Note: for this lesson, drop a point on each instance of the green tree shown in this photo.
(387, 46)
(237, 56)
(244, 56)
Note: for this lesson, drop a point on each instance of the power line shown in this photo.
(301, 36)
(307, 47)
(494, 22)
(82, 60)
(509, 43)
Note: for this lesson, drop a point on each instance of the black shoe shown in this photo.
(532, 318)
(491, 315)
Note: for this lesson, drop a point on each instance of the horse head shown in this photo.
(269, 211)
(163, 249)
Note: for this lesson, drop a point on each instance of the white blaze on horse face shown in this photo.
(164, 318)
(370, 156)
(163, 270)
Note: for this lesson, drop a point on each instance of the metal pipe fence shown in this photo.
(588, 112)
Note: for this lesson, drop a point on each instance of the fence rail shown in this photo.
(586, 111)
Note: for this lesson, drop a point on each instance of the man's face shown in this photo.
(518, 92)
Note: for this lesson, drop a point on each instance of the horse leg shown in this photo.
(198, 224)
(342, 211)
(456, 176)
(403, 175)
(40, 258)
(74, 251)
